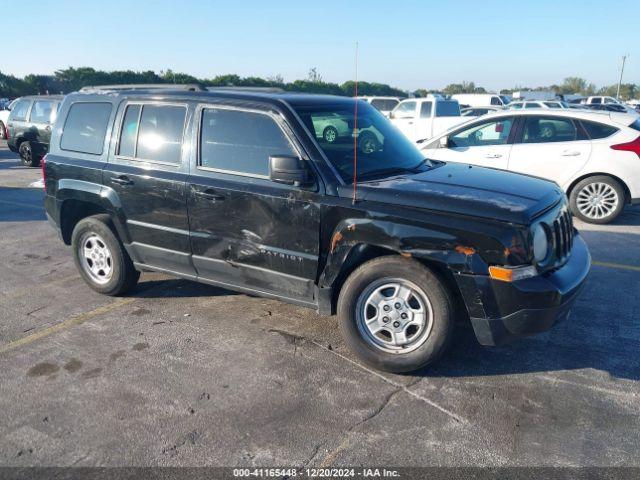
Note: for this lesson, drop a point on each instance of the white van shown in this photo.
(384, 104)
(481, 99)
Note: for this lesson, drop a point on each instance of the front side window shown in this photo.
(382, 150)
(41, 112)
(405, 110)
(153, 132)
(541, 129)
(515, 106)
(19, 110)
(240, 141)
(531, 105)
(597, 130)
(495, 101)
(494, 132)
(596, 100)
(553, 104)
(85, 127)
(425, 110)
(447, 108)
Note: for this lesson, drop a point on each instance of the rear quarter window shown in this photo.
(597, 130)
(85, 127)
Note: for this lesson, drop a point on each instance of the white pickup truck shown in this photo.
(422, 118)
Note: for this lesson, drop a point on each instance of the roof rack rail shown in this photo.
(191, 87)
(248, 89)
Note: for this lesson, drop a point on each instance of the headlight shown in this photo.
(540, 243)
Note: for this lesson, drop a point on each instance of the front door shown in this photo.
(246, 230)
(148, 173)
(550, 147)
(404, 117)
(486, 143)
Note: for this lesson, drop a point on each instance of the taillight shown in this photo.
(633, 146)
(43, 163)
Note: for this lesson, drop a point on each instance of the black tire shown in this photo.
(590, 182)
(28, 157)
(438, 296)
(368, 143)
(124, 276)
(3, 135)
(330, 134)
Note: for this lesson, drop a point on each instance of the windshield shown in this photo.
(382, 149)
(505, 99)
(447, 108)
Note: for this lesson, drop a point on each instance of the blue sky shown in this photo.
(408, 44)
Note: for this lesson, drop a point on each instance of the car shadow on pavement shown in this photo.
(175, 287)
(21, 204)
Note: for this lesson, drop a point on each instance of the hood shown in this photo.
(467, 190)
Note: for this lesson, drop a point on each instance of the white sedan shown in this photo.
(593, 156)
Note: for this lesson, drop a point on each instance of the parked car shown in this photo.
(420, 118)
(600, 99)
(481, 99)
(4, 116)
(234, 189)
(29, 127)
(478, 111)
(533, 95)
(537, 104)
(610, 107)
(593, 156)
(384, 104)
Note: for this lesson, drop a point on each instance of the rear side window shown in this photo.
(42, 111)
(447, 109)
(596, 100)
(636, 125)
(240, 141)
(85, 127)
(384, 104)
(540, 129)
(153, 132)
(20, 109)
(598, 130)
(425, 110)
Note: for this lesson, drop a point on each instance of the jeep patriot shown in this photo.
(237, 189)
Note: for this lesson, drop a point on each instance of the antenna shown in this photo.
(355, 133)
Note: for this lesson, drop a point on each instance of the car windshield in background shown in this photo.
(447, 109)
(382, 149)
(636, 125)
(505, 99)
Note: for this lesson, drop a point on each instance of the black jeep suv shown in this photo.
(237, 189)
(29, 127)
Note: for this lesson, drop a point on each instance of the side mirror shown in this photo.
(288, 169)
(443, 142)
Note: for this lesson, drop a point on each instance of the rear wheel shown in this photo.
(101, 258)
(27, 156)
(330, 134)
(599, 199)
(3, 132)
(395, 314)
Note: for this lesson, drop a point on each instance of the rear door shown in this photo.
(41, 118)
(246, 230)
(487, 143)
(147, 171)
(550, 147)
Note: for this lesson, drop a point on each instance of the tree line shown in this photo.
(72, 79)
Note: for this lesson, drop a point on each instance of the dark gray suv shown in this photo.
(29, 127)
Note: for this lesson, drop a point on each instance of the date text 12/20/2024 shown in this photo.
(315, 473)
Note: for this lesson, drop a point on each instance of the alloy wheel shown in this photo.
(597, 200)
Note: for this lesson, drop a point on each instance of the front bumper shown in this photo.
(501, 312)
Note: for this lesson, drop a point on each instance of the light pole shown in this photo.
(624, 59)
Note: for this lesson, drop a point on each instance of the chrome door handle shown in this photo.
(570, 154)
(210, 195)
(122, 180)
(493, 155)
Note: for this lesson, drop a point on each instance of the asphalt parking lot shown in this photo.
(180, 373)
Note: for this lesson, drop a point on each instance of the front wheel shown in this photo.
(395, 314)
(27, 157)
(330, 134)
(101, 258)
(597, 199)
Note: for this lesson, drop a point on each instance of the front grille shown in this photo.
(562, 231)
